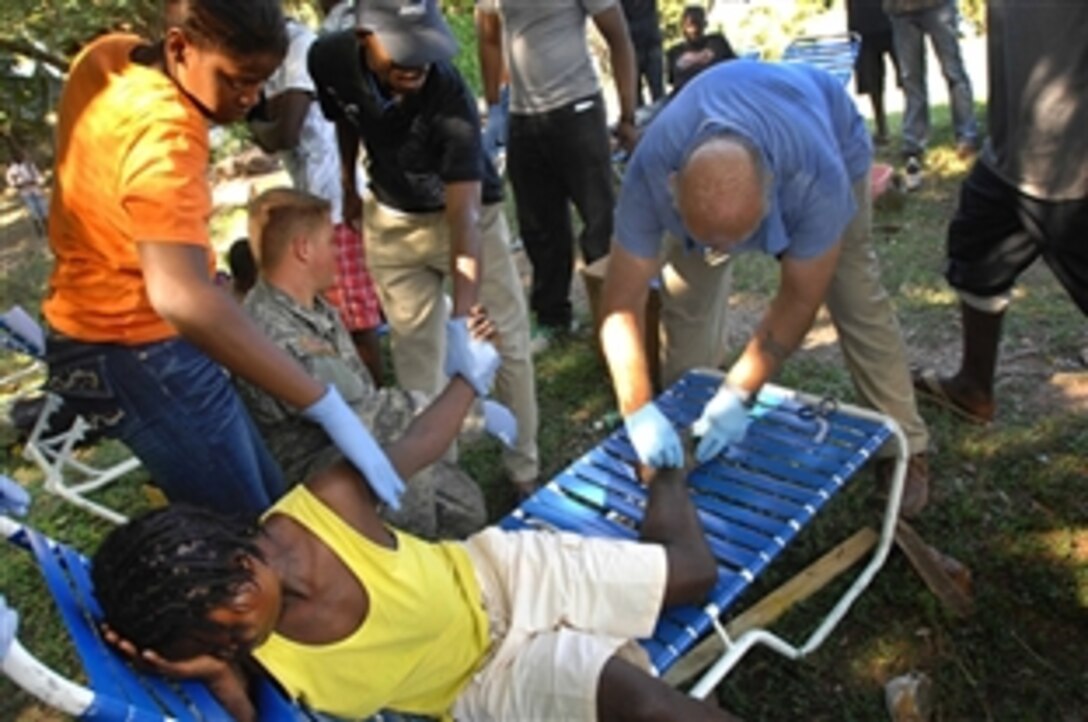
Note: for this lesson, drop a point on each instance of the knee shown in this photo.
(629, 694)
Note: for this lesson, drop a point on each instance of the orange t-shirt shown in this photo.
(132, 153)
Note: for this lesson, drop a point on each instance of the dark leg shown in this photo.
(588, 179)
(973, 384)
(543, 211)
(655, 71)
(627, 693)
(879, 117)
(671, 521)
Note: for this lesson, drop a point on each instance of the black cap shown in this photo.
(413, 32)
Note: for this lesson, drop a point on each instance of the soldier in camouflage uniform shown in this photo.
(442, 500)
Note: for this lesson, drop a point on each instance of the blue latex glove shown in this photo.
(14, 499)
(9, 624)
(724, 421)
(499, 422)
(654, 438)
(355, 442)
(474, 360)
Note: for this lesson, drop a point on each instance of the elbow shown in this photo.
(167, 304)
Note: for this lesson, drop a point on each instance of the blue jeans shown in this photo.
(555, 159)
(910, 29)
(36, 206)
(177, 411)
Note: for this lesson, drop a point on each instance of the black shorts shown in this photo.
(997, 232)
(869, 66)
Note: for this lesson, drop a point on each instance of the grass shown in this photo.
(1008, 501)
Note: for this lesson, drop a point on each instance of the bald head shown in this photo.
(720, 192)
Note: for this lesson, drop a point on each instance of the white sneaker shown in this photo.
(912, 179)
(544, 337)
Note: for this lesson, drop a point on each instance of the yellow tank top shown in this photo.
(419, 644)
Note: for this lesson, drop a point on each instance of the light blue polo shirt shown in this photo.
(805, 125)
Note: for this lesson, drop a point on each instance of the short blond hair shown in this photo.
(279, 215)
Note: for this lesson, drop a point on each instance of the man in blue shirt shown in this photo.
(752, 157)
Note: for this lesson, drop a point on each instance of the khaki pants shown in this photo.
(695, 295)
(409, 259)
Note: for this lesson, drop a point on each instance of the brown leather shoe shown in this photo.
(915, 486)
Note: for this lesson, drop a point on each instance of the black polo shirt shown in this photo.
(413, 147)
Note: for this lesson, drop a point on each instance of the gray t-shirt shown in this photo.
(1038, 106)
(546, 49)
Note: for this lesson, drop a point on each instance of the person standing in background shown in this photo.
(697, 51)
(23, 175)
(868, 19)
(912, 21)
(558, 149)
(1026, 196)
(645, 29)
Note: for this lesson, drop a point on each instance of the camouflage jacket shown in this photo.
(317, 339)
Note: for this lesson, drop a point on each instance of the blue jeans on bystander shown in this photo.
(910, 30)
(177, 411)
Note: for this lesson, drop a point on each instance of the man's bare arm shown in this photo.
(489, 50)
(623, 313)
(347, 145)
(621, 54)
(463, 219)
(801, 290)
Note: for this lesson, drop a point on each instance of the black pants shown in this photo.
(997, 232)
(554, 159)
(650, 67)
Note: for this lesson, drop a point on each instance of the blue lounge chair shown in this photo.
(753, 500)
(835, 53)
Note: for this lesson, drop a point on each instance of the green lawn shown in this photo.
(1008, 501)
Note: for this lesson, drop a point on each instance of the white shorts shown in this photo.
(559, 607)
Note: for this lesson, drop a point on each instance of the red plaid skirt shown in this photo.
(353, 295)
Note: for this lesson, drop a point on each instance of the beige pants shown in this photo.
(559, 607)
(695, 295)
(409, 259)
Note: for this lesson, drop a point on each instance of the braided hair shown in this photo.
(158, 577)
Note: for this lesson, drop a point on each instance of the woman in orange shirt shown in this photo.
(139, 333)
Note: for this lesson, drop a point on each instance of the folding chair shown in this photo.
(54, 453)
(21, 334)
(753, 500)
(834, 52)
(116, 690)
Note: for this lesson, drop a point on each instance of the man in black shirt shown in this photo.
(434, 207)
(697, 51)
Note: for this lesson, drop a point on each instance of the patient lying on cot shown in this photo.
(351, 616)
